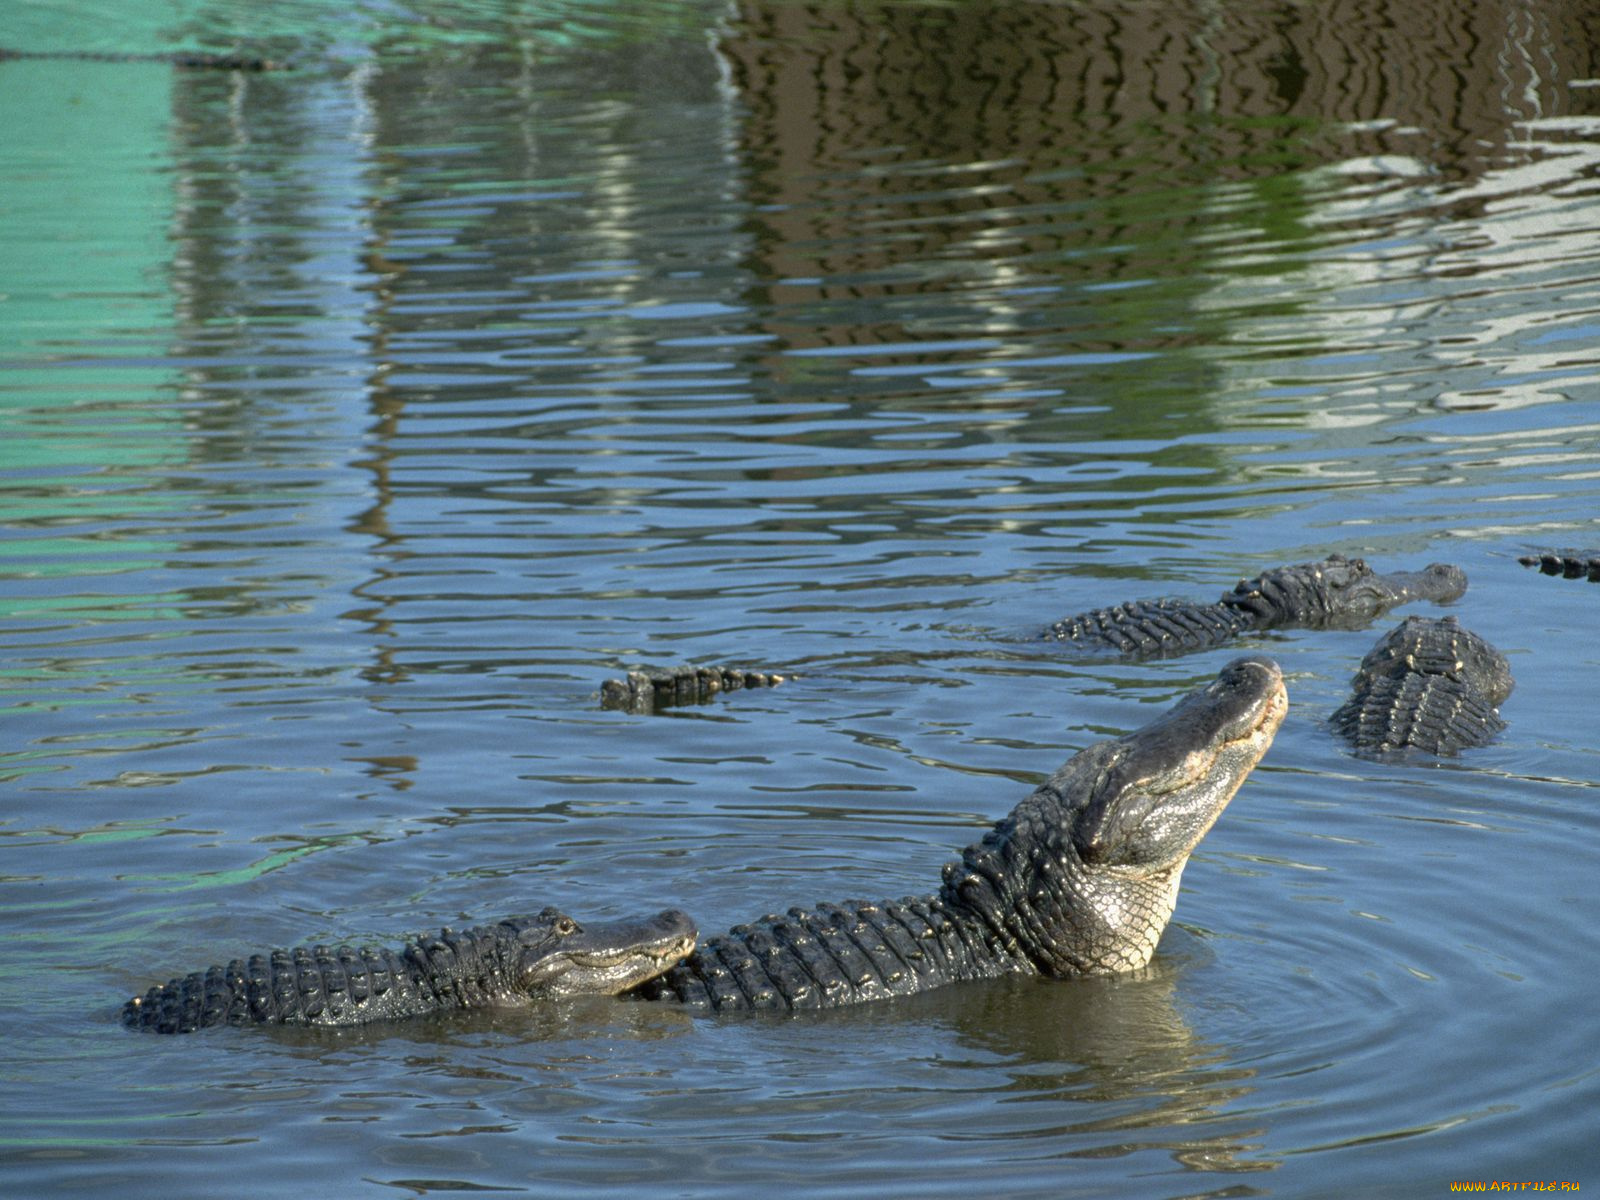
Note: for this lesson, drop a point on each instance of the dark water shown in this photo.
(358, 421)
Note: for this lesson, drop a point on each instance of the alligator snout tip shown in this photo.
(676, 920)
(1446, 581)
(1257, 697)
(1256, 662)
(1256, 674)
(680, 935)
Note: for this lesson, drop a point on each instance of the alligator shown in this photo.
(1081, 877)
(647, 691)
(513, 963)
(1334, 593)
(1428, 684)
(1569, 564)
(1337, 593)
(197, 60)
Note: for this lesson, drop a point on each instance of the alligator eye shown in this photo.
(566, 926)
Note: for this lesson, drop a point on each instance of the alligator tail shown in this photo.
(1429, 685)
(647, 691)
(317, 985)
(1569, 564)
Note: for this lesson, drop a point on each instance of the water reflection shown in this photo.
(1094, 1069)
(1000, 125)
(1123, 1048)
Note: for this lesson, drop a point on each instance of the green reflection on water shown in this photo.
(296, 32)
(86, 240)
(244, 874)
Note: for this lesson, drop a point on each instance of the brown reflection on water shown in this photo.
(965, 83)
(982, 134)
(1110, 1065)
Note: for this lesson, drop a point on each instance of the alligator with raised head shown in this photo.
(195, 60)
(1569, 564)
(1336, 593)
(1429, 685)
(514, 963)
(1080, 878)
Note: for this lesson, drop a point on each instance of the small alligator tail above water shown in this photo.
(1569, 564)
(647, 691)
(513, 963)
(1336, 592)
(1428, 685)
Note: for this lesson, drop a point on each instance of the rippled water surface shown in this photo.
(359, 420)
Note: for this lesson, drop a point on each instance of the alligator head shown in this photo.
(559, 957)
(1339, 592)
(1083, 876)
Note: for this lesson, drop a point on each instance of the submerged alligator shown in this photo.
(199, 60)
(513, 963)
(1080, 878)
(1428, 684)
(1336, 593)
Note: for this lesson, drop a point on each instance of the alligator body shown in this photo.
(1337, 592)
(1080, 878)
(1569, 564)
(1429, 685)
(648, 691)
(198, 60)
(513, 963)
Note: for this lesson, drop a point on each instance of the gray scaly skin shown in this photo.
(1080, 878)
(1569, 564)
(1428, 684)
(514, 963)
(1337, 592)
(647, 691)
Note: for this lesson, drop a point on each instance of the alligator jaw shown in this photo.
(1082, 877)
(1162, 795)
(607, 959)
(1169, 781)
